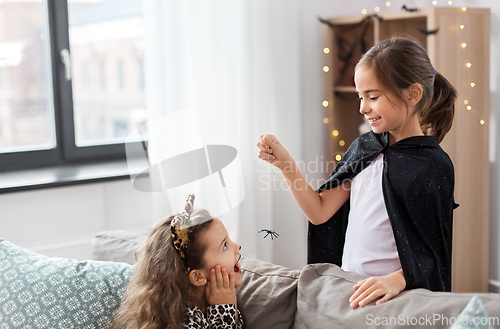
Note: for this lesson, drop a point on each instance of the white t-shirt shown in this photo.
(370, 248)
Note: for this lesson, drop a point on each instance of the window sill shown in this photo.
(64, 175)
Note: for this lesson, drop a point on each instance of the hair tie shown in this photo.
(180, 229)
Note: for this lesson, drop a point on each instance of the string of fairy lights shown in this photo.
(467, 65)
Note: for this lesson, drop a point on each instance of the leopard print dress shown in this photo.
(221, 316)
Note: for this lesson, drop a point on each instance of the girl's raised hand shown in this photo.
(220, 289)
(271, 150)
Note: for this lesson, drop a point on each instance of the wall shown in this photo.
(62, 221)
(314, 91)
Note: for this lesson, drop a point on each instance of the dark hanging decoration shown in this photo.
(324, 21)
(352, 43)
(409, 9)
(271, 233)
(428, 32)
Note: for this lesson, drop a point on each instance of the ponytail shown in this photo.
(438, 118)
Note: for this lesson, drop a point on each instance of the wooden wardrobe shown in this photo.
(457, 40)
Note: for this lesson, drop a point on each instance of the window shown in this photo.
(121, 83)
(120, 128)
(60, 100)
(141, 75)
(85, 77)
(26, 95)
(102, 76)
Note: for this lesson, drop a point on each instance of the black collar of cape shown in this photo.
(421, 219)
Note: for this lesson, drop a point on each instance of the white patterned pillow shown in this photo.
(42, 292)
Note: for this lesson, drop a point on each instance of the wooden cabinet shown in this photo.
(460, 51)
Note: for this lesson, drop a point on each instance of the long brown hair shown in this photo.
(400, 62)
(159, 291)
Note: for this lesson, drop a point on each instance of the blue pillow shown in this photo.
(474, 316)
(42, 292)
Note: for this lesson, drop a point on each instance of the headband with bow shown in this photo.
(180, 228)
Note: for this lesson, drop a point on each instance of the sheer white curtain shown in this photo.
(236, 64)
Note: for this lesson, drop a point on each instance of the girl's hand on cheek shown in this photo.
(220, 289)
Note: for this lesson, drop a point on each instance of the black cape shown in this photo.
(417, 183)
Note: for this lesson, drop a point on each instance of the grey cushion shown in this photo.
(267, 297)
(323, 299)
(116, 246)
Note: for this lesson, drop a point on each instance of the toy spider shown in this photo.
(273, 233)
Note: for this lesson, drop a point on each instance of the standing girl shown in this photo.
(186, 276)
(394, 184)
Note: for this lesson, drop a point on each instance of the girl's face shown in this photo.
(220, 250)
(383, 115)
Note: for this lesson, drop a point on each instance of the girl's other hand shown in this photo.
(370, 289)
(220, 289)
(271, 150)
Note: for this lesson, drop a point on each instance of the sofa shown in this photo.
(42, 292)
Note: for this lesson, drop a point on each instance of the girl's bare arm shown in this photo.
(318, 208)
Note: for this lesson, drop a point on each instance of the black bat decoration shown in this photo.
(324, 21)
(347, 46)
(272, 233)
(428, 32)
(409, 9)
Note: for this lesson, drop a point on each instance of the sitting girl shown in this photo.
(186, 276)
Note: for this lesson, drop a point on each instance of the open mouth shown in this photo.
(237, 268)
(374, 120)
